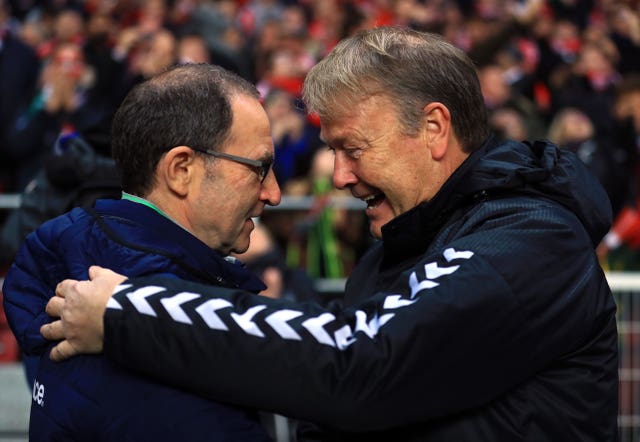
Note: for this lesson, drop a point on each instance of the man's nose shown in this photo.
(271, 193)
(343, 174)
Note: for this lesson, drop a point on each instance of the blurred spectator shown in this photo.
(77, 171)
(565, 40)
(145, 45)
(285, 66)
(572, 129)
(64, 101)
(267, 260)
(620, 249)
(328, 24)
(627, 105)
(256, 13)
(146, 54)
(157, 53)
(193, 49)
(295, 139)
(19, 68)
(217, 23)
(625, 33)
(508, 123)
(578, 11)
(68, 27)
(33, 31)
(417, 14)
(590, 86)
(293, 20)
(327, 240)
(101, 35)
(498, 95)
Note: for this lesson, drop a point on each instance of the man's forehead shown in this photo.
(333, 135)
(352, 124)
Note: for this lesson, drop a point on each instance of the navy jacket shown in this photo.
(482, 315)
(89, 397)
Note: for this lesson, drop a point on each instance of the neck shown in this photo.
(153, 201)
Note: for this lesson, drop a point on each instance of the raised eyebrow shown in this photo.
(338, 141)
(335, 144)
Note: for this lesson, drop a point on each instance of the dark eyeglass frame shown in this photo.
(261, 167)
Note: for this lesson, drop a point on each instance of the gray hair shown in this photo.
(411, 68)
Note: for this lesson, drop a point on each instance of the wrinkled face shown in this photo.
(231, 193)
(389, 170)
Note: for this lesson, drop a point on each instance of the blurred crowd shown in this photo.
(567, 70)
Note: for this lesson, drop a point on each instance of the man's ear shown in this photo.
(437, 128)
(177, 169)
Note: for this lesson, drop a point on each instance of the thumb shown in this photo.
(105, 276)
(96, 271)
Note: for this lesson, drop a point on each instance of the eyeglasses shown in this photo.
(261, 167)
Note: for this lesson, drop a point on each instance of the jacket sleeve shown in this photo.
(28, 286)
(471, 320)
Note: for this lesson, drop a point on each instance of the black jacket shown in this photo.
(482, 315)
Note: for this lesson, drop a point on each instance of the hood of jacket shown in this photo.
(508, 169)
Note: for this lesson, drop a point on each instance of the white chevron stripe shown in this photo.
(121, 287)
(419, 286)
(245, 320)
(315, 326)
(172, 306)
(450, 254)
(368, 329)
(113, 304)
(433, 271)
(208, 310)
(278, 321)
(344, 337)
(395, 301)
(384, 319)
(138, 299)
(372, 327)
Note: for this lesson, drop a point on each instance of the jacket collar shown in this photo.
(410, 233)
(158, 234)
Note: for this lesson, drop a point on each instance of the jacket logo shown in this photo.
(433, 271)
(38, 393)
(211, 310)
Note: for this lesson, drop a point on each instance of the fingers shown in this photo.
(80, 305)
(65, 287)
(55, 306)
(62, 351)
(53, 331)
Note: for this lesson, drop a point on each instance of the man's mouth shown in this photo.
(374, 201)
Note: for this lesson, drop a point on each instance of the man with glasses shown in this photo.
(262, 167)
(194, 149)
(481, 314)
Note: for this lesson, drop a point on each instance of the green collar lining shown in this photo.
(137, 199)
